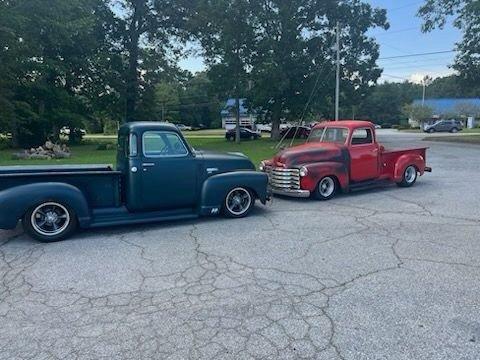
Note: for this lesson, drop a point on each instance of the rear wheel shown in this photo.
(454, 130)
(326, 188)
(50, 221)
(238, 203)
(409, 176)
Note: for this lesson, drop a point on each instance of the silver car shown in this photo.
(452, 126)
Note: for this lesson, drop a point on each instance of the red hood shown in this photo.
(309, 153)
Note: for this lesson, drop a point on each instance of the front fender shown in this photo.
(316, 171)
(215, 188)
(405, 160)
(15, 201)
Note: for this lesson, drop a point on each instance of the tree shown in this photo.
(293, 68)
(146, 29)
(53, 58)
(417, 112)
(226, 32)
(466, 14)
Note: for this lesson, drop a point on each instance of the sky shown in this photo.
(404, 37)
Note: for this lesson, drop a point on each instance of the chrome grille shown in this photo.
(283, 178)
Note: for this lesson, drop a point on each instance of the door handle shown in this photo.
(148, 164)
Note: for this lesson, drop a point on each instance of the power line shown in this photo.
(396, 31)
(417, 54)
(406, 6)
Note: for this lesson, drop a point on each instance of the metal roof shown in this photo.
(447, 105)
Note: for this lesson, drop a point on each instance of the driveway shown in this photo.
(384, 274)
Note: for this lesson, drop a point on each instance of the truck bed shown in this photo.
(99, 183)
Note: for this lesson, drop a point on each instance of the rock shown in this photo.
(48, 151)
(49, 145)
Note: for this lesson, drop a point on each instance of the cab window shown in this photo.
(362, 137)
(163, 144)
(328, 135)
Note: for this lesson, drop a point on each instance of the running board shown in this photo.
(366, 185)
(121, 216)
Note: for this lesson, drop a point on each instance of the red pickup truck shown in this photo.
(341, 156)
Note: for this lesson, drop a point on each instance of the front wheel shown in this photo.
(238, 203)
(409, 176)
(50, 221)
(431, 131)
(326, 188)
(454, 130)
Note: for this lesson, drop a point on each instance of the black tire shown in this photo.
(326, 188)
(430, 131)
(409, 176)
(252, 137)
(454, 130)
(62, 221)
(244, 202)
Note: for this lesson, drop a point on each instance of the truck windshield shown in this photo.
(328, 135)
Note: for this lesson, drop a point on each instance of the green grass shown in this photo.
(471, 139)
(87, 153)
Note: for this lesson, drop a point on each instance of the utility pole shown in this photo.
(425, 82)
(337, 85)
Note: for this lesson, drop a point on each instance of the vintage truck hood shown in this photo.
(310, 152)
(224, 162)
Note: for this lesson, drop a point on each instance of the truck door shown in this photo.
(168, 170)
(363, 155)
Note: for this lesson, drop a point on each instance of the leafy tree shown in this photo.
(145, 29)
(466, 14)
(225, 29)
(418, 112)
(293, 68)
(53, 56)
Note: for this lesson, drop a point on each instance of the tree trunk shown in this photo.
(275, 134)
(237, 118)
(132, 71)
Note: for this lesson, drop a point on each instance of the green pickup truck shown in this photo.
(158, 177)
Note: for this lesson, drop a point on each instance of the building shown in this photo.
(463, 109)
(228, 114)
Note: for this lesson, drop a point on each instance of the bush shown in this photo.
(105, 146)
(5, 142)
(110, 127)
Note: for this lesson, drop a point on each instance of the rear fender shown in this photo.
(215, 188)
(316, 171)
(15, 201)
(406, 160)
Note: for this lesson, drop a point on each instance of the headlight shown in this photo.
(303, 171)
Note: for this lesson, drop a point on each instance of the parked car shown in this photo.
(264, 127)
(66, 131)
(341, 156)
(452, 126)
(158, 177)
(378, 126)
(244, 134)
(184, 127)
(299, 132)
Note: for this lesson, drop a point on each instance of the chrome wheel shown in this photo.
(238, 201)
(326, 187)
(410, 174)
(50, 219)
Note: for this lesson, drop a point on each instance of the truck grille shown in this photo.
(283, 178)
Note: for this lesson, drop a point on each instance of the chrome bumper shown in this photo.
(291, 192)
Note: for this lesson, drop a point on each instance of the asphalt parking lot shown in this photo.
(383, 274)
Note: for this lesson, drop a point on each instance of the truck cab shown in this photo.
(341, 156)
(158, 177)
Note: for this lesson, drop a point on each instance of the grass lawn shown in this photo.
(87, 153)
(471, 139)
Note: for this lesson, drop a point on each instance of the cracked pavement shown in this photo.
(382, 274)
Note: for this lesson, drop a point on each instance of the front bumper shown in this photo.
(291, 192)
